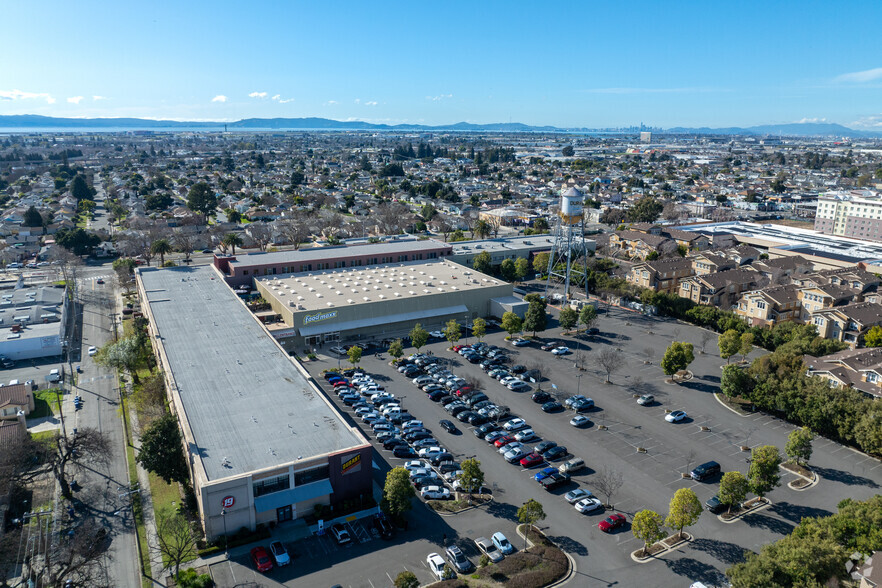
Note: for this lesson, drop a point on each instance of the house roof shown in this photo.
(651, 240)
(16, 395)
(11, 431)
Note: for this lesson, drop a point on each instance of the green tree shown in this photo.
(479, 328)
(873, 338)
(201, 199)
(684, 510)
(868, 430)
(418, 336)
(540, 262)
(588, 315)
(406, 579)
(677, 357)
(452, 332)
(733, 489)
(763, 473)
(648, 527)
(522, 266)
(233, 215)
(472, 478)
(232, 240)
(397, 492)
(127, 354)
(799, 445)
(507, 270)
(481, 263)
(80, 189)
(396, 348)
(175, 539)
(33, 218)
(736, 382)
(530, 513)
(354, 354)
(78, 241)
(652, 256)
(161, 450)
(568, 318)
(745, 345)
(512, 323)
(568, 151)
(482, 229)
(729, 344)
(161, 247)
(645, 210)
(536, 318)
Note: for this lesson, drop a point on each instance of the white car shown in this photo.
(520, 342)
(338, 350)
(646, 400)
(515, 425)
(518, 386)
(436, 565)
(560, 350)
(435, 493)
(92, 350)
(525, 435)
(509, 446)
(416, 464)
(436, 334)
(588, 505)
(676, 416)
(428, 452)
(417, 472)
(508, 380)
(452, 476)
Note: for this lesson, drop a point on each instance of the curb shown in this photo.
(689, 538)
(570, 572)
(756, 508)
(459, 512)
(813, 481)
(727, 407)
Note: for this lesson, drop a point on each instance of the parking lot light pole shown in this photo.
(579, 384)
(226, 540)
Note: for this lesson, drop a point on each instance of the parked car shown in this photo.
(514, 454)
(458, 560)
(531, 460)
(435, 493)
(503, 440)
(574, 496)
(436, 565)
(92, 350)
(383, 526)
(611, 523)
(403, 452)
(280, 554)
(714, 505)
(494, 436)
(588, 505)
(580, 421)
(261, 559)
(520, 342)
(554, 480)
(646, 400)
(509, 447)
(582, 404)
(548, 346)
(448, 426)
(540, 397)
(562, 350)
(525, 435)
(515, 424)
(502, 543)
(518, 386)
(676, 416)
(482, 431)
(552, 406)
(341, 535)
(555, 453)
(489, 549)
(572, 465)
(705, 471)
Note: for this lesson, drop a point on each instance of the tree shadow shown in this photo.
(843, 477)
(569, 544)
(698, 386)
(727, 553)
(796, 512)
(764, 521)
(696, 571)
(502, 510)
(712, 379)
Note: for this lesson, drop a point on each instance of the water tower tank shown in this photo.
(571, 206)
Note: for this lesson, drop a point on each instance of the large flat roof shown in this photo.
(320, 253)
(336, 288)
(248, 405)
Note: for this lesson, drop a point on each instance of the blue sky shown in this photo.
(589, 63)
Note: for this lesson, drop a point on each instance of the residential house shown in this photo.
(635, 244)
(661, 275)
(869, 574)
(722, 289)
(860, 369)
(691, 240)
(711, 263)
(778, 270)
(848, 323)
(15, 398)
(769, 306)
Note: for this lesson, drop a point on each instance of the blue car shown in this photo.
(501, 543)
(542, 474)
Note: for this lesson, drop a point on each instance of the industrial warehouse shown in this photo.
(378, 301)
(262, 441)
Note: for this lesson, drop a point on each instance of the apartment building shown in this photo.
(856, 213)
(661, 275)
(722, 289)
(847, 323)
(860, 369)
(769, 306)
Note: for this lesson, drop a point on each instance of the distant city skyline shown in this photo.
(575, 64)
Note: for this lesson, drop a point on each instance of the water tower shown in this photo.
(568, 262)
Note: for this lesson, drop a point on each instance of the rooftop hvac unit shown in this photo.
(292, 303)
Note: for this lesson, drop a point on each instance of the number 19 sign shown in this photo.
(229, 501)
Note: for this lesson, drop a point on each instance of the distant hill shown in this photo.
(36, 122)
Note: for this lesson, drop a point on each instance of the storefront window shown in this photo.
(270, 485)
(310, 476)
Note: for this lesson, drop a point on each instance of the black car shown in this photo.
(476, 398)
(441, 458)
(446, 399)
(417, 436)
(714, 505)
(403, 451)
(555, 453)
(476, 419)
(518, 369)
(554, 480)
(481, 431)
(401, 417)
(428, 480)
(448, 466)
(705, 471)
(437, 395)
(383, 526)
(465, 415)
(458, 409)
(552, 406)
(544, 446)
(540, 397)
(448, 426)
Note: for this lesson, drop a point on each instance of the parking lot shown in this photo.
(619, 426)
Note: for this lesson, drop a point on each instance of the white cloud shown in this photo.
(371, 103)
(257, 95)
(278, 98)
(858, 77)
(439, 97)
(75, 99)
(331, 102)
(868, 122)
(97, 98)
(357, 100)
(811, 120)
(219, 98)
(19, 95)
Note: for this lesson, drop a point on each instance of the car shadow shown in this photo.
(796, 512)
(843, 477)
(725, 552)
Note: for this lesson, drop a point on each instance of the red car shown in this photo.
(458, 347)
(532, 460)
(612, 522)
(504, 440)
(261, 559)
(339, 383)
(463, 391)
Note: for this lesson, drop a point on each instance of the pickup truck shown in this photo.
(554, 480)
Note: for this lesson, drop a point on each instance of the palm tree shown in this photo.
(161, 247)
(482, 228)
(232, 240)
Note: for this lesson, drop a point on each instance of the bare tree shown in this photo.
(537, 367)
(17, 460)
(580, 359)
(649, 354)
(441, 224)
(690, 459)
(184, 241)
(81, 557)
(475, 382)
(294, 230)
(609, 361)
(69, 263)
(261, 233)
(470, 219)
(494, 222)
(72, 452)
(608, 481)
(175, 539)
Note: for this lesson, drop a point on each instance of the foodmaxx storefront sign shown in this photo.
(319, 316)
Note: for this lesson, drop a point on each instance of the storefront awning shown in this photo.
(292, 496)
(330, 327)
